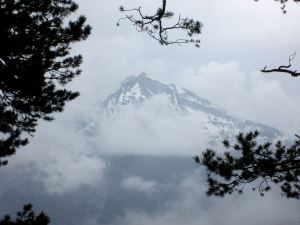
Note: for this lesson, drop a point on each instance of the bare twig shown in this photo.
(284, 68)
(154, 25)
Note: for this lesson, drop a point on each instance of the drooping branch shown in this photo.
(284, 68)
(252, 162)
(155, 27)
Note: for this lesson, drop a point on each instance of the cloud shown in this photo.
(60, 158)
(221, 70)
(135, 183)
(238, 37)
(68, 173)
(68, 160)
(154, 129)
(112, 53)
(249, 95)
(190, 206)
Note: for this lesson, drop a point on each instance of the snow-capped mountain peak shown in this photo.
(138, 89)
(219, 124)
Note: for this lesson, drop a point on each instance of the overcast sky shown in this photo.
(238, 39)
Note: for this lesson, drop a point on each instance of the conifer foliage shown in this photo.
(250, 162)
(26, 216)
(35, 64)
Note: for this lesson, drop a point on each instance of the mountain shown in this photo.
(138, 89)
(219, 124)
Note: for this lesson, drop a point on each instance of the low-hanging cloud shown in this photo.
(68, 173)
(154, 129)
(136, 183)
(65, 160)
(60, 150)
(190, 206)
(60, 159)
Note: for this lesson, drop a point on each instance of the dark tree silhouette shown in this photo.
(26, 217)
(154, 25)
(252, 162)
(284, 68)
(35, 64)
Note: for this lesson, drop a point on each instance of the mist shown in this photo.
(136, 167)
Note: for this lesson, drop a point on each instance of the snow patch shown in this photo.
(180, 90)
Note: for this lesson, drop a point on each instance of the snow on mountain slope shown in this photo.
(137, 90)
(149, 116)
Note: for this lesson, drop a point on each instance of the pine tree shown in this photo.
(250, 162)
(35, 64)
(26, 217)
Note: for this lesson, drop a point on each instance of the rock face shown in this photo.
(219, 124)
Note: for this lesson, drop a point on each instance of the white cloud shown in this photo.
(154, 129)
(249, 95)
(231, 33)
(69, 173)
(135, 183)
(238, 37)
(190, 206)
(60, 157)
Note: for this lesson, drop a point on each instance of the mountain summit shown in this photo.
(219, 124)
(138, 89)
